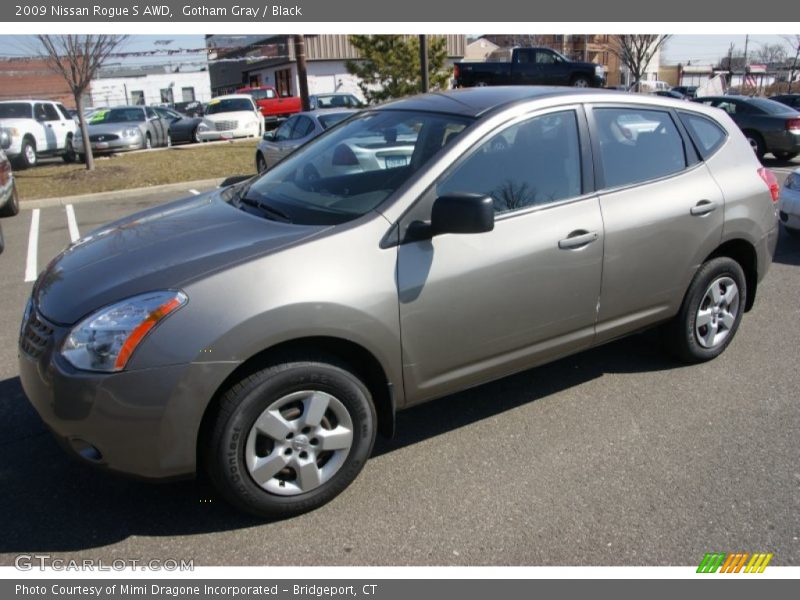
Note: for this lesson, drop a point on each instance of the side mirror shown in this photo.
(269, 136)
(462, 213)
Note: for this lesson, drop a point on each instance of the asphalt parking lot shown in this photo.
(617, 456)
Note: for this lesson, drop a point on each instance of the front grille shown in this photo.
(103, 137)
(226, 125)
(36, 336)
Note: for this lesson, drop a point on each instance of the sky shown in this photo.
(700, 49)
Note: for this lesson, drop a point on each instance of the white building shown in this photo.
(151, 85)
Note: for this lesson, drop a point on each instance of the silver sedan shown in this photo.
(293, 133)
(789, 207)
(125, 128)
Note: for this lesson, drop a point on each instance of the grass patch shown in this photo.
(141, 169)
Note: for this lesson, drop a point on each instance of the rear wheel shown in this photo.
(196, 136)
(711, 312)
(148, 142)
(784, 155)
(69, 155)
(291, 437)
(580, 81)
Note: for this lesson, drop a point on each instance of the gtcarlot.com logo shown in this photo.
(734, 562)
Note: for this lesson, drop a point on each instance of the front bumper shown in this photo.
(142, 422)
(212, 135)
(120, 145)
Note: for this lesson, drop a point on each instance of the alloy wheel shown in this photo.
(716, 315)
(299, 442)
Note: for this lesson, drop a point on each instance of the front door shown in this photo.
(477, 307)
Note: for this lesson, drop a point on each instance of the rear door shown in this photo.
(662, 210)
(477, 307)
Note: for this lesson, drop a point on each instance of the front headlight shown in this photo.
(105, 340)
(598, 71)
(203, 126)
(793, 181)
(134, 132)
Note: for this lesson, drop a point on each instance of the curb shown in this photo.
(119, 194)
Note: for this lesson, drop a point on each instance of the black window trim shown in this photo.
(688, 146)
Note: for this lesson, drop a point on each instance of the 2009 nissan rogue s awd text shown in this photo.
(266, 331)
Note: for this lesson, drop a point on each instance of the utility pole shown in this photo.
(744, 75)
(423, 62)
(302, 73)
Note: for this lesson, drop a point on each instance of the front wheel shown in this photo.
(787, 156)
(580, 81)
(261, 164)
(12, 207)
(711, 312)
(69, 155)
(756, 143)
(27, 156)
(291, 437)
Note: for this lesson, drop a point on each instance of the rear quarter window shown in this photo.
(707, 135)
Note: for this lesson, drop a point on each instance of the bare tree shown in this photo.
(635, 52)
(769, 54)
(794, 44)
(77, 58)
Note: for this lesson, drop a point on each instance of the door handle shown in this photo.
(703, 208)
(578, 239)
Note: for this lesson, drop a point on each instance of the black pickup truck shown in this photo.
(528, 66)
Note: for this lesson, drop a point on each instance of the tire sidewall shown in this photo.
(713, 269)
(228, 464)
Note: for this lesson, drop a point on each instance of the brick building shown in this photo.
(22, 78)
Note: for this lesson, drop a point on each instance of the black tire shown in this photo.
(756, 143)
(148, 142)
(261, 163)
(81, 158)
(196, 136)
(243, 403)
(787, 156)
(580, 81)
(69, 155)
(681, 336)
(12, 207)
(27, 156)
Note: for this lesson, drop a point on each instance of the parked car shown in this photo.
(670, 94)
(690, 91)
(528, 66)
(790, 100)
(124, 128)
(9, 199)
(182, 128)
(267, 331)
(338, 100)
(37, 128)
(293, 133)
(647, 85)
(228, 117)
(769, 126)
(189, 109)
(272, 105)
(789, 206)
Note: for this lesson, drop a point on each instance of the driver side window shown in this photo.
(532, 163)
(284, 131)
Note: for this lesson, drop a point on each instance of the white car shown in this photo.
(789, 206)
(232, 116)
(37, 128)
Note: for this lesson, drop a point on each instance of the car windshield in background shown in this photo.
(328, 121)
(117, 115)
(16, 110)
(770, 106)
(230, 105)
(351, 170)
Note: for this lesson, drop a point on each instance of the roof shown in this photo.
(475, 101)
(233, 97)
(27, 101)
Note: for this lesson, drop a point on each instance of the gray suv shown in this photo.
(267, 331)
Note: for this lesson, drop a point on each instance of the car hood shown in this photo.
(231, 116)
(113, 127)
(161, 248)
(18, 123)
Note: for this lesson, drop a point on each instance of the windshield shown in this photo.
(229, 105)
(352, 169)
(328, 121)
(117, 115)
(15, 110)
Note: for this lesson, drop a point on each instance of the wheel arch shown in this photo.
(356, 356)
(744, 253)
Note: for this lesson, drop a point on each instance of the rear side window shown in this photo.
(638, 145)
(707, 135)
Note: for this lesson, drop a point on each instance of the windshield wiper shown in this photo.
(267, 209)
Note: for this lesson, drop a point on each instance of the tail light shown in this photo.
(456, 71)
(793, 125)
(772, 183)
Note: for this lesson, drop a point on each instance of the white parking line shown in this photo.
(33, 247)
(72, 223)
(194, 191)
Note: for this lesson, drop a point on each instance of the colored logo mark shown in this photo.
(734, 562)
